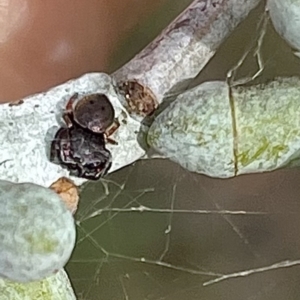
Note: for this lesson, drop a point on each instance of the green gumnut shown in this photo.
(212, 131)
(37, 232)
(196, 130)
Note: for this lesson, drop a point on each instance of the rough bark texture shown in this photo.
(182, 50)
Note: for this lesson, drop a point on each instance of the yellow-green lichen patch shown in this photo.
(41, 242)
(21, 210)
(55, 287)
(268, 124)
(264, 149)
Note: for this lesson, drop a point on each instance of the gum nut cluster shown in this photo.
(37, 232)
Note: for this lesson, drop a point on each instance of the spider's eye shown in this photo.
(92, 165)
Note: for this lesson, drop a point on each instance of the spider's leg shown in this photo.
(69, 106)
(110, 141)
(67, 119)
(80, 171)
(67, 115)
(111, 130)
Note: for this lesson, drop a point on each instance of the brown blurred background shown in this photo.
(44, 43)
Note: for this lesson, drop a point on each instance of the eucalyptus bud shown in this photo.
(223, 132)
(37, 232)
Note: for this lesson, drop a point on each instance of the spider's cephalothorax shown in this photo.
(93, 112)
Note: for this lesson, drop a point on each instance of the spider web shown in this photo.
(154, 231)
(144, 233)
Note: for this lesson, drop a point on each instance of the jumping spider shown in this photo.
(81, 146)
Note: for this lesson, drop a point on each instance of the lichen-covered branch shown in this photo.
(27, 131)
(185, 46)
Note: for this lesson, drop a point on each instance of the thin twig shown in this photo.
(182, 50)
